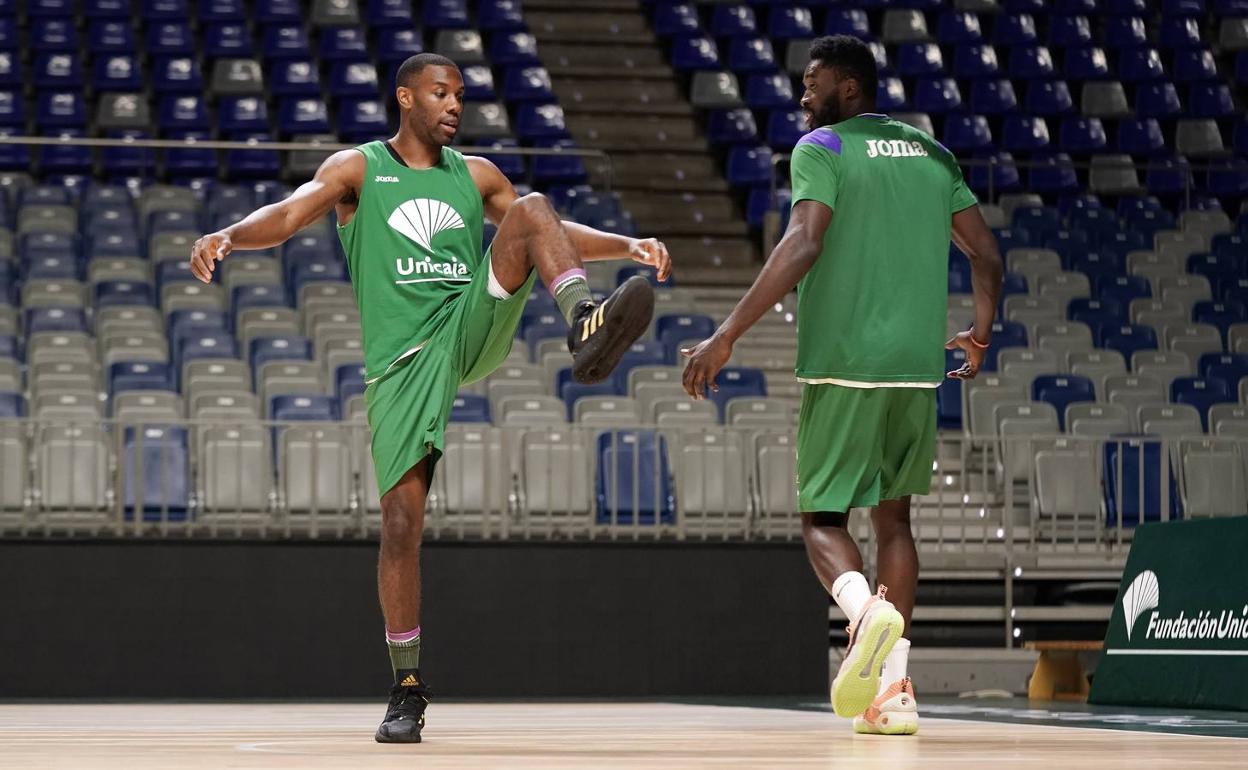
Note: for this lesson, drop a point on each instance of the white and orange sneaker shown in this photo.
(894, 712)
(871, 637)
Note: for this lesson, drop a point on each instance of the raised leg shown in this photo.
(531, 235)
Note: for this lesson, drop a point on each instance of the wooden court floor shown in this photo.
(563, 735)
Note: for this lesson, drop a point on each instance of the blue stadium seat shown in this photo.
(106, 9)
(1097, 313)
(955, 28)
(12, 73)
(1014, 29)
(177, 75)
(162, 455)
(315, 408)
(527, 84)
(1086, 63)
(787, 22)
(211, 11)
(289, 41)
(749, 166)
(937, 96)
(348, 78)
(1134, 464)
(170, 38)
(242, 114)
(737, 382)
(468, 407)
(1228, 178)
(751, 54)
(53, 319)
(967, 133)
(294, 77)
(1123, 32)
(185, 324)
(343, 44)
(183, 112)
(1048, 97)
(672, 329)
(302, 116)
(624, 273)
(119, 72)
(1030, 62)
(694, 52)
(383, 13)
(1216, 267)
(57, 70)
(478, 83)
(279, 348)
(182, 162)
(53, 35)
(1061, 391)
(890, 95)
(919, 59)
(506, 15)
(396, 44)
(1140, 136)
(1210, 100)
(12, 404)
(445, 14)
(558, 168)
(674, 19)
(362, 119)
(348, 382)
(122, 293)
(1022, 133)
(545, 326)
(10, 347)
(764, 92)
(1082, 135)
(1200, 393)
(1128, 339)
(1182, 8)
(993, 97)
(60, 109)
(1140, 65)
(138, 375)
(13, 110)
(210, 345)
(634, 479)
(1000, 175)
(257, 295)
(1230, 245)
(1179, 33)
(784, 128)
(278, 12)
(1219, 314)
(1074, 7)
(53, 268)
(733, 21)
(848, 21)
(731, 127)
(1227, 367)
(1070, 31)
(1125, 7)
(227, 40)
(520, 48)
(164, 10)
(36, 245)
(1098, 265)
(1157, 100)
(976, 61)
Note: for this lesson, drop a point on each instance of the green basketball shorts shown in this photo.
(410, 405)
(858, 446)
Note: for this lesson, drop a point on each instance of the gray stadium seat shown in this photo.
(1134, 391)
(1186, 289)
(1065, 337)
(147, 406)
(8, 320)
(462, 46)
(335, 13)
(1064, 286)
(1011, 201)
(58, 293)
(72, 464)
(237, 77)
(977, 6)
(192, 296)
(671, 411)
(1025, 364)
(1178, 245)
(797, 57)
(1162, 366)
(604, 411)
(170, 246)
(1154, 265)
(226, 406)
(109, 320)
(215, 376)
(1027, 309)
(755, 412)
(10, 376)
(1206, 223)
(302, 164)
(903, 26)
(712, 479)
(1237, 338)
(715, 90)
(1194, 339)
(59, 346)
(1067, 483)
(473, 481)
(1023, 426)
(1104, 99)
(515, 380)
(1213, 479)
(1033, 263)
(66, 406)
(981, 395)
(556, 479)
(1175, 420)
(133, 346)
(1229, 417)
(1233, 34)
(166, 197)
(338, 352)
(118, 269)
(288, 378)
(315, 468)
(993, 215)
(265, 321)
(531, 410)
(324, 320)
(116, 112)
(242, 270)
(236, 469)
(1152, 312)
(776, 455)
(14, 466)
(1198, 137)
(1101, 420)
(1097, 365)
(46, 218)
(487, 120)
(919, 120)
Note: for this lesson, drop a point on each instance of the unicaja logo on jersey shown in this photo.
(1140, 597)
(420, 220)
(895, 148)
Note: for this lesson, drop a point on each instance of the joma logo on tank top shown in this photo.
(895, 148)
(420, 220)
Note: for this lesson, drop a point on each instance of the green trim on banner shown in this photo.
(1178, 635)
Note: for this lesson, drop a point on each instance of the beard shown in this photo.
(826, 114)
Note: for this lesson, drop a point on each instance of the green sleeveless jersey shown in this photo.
(412, 247)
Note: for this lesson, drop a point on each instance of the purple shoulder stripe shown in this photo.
(825, 138)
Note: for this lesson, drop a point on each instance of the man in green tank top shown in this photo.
(436, 313)
(874, 205)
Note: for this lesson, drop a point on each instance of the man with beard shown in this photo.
(875, 202)
(436, 313)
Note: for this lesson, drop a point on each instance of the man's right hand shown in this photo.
(974, 355)
(206, 252)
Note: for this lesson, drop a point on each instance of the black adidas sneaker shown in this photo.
(405, 716)
(601, 334)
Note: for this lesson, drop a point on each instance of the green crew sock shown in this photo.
(404, 653)
(571, 290)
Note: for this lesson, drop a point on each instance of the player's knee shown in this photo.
(401, 524)
(534, 207)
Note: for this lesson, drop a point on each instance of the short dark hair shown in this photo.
(414, 65)
(852, 57)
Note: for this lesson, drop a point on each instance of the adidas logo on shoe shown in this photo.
(409, 681)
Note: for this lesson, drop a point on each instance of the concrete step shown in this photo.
(605, 61)
(585, 25)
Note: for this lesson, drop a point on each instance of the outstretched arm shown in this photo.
(972, 236)
(497, 195)
(338, 180)
(792, 258)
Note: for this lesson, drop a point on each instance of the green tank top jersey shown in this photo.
(872, 309)
(412, 248)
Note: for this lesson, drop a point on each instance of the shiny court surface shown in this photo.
(564, 735)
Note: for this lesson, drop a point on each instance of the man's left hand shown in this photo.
(705, 360)
(652, 252)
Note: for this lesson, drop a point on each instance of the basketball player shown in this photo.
(437, 314)
(874, 204)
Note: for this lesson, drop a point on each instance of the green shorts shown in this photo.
(410, 405)
(858, 446)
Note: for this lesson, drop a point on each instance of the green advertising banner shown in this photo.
(1178, 635)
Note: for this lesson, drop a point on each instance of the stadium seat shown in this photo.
(1134, 471)
(1202, 394)
(751, 55)
(633, 479)
(162, 454)
(937, 95)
